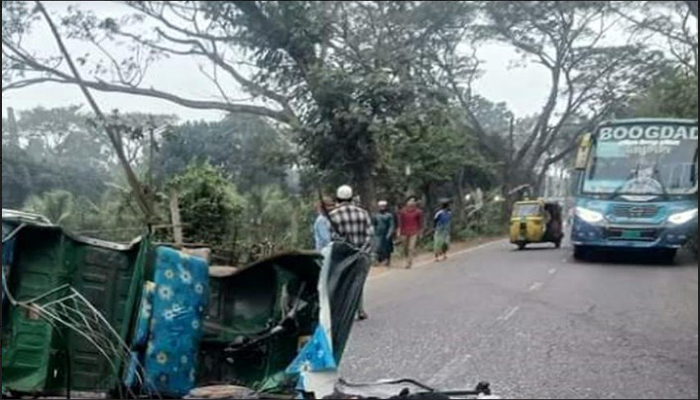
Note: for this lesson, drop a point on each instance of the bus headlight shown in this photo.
(684, 217)
(590, 216)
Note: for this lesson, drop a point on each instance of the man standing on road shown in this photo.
(410, 228)
(384, 227)
(442, 223)
(354, 225)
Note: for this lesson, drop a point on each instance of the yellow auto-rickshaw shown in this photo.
(537, 221)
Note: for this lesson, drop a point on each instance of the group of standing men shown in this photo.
(407, 226)
(345, 220)
(377, 234)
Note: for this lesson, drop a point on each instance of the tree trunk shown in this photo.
(176, 219)
(429, 206)
(509, 199)
(365, 186)
(513, 178)
(294, 223)
(460, 203)
(431, 198)
(539, 182)
(137, 189)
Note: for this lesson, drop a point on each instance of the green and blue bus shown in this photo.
(638, 187)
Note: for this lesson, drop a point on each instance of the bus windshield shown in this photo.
(644, 160)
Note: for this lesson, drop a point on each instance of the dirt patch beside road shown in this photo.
(426, 258)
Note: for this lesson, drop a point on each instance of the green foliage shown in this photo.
(271, 212)
(434, 145)
(57, 206)
(42, 157)
(113, 217)
(484, 219)
(675, 95)
(345, 96)
(58, 149)
(246, 148)
(274, 217)
(210, 207)
(377, 94)
(216, 215)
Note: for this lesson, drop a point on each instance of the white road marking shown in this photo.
(553, 271)
(510, 313)
(536, 287)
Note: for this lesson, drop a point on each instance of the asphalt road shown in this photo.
(536, 324)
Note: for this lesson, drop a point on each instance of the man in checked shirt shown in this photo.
(353, 224)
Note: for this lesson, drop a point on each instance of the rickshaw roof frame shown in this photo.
(20, 216)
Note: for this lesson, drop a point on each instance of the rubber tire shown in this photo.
(558, 244)
(522, 246)
(668, 256)
(582, 253)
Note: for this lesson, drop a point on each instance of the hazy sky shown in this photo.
(524, 89)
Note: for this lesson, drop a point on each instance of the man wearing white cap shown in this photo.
(384, 229)
(352, 224)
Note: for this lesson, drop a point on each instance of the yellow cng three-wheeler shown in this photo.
(537, 221)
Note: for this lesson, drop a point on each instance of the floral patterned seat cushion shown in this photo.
(176, 313)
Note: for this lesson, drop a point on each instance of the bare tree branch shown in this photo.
(126, 85)
(146, 8)
(205, 45)
(653, 26)
(136, 186)
(543, 120)
(472, 120)
(16, 85)
(57, 76)
(189, 103)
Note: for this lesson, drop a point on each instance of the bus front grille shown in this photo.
(636, 211)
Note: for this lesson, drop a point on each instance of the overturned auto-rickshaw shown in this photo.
(141, 320)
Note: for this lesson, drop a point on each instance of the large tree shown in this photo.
(337, 76)
(589, 79)
(674, 95)
(330, 71)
